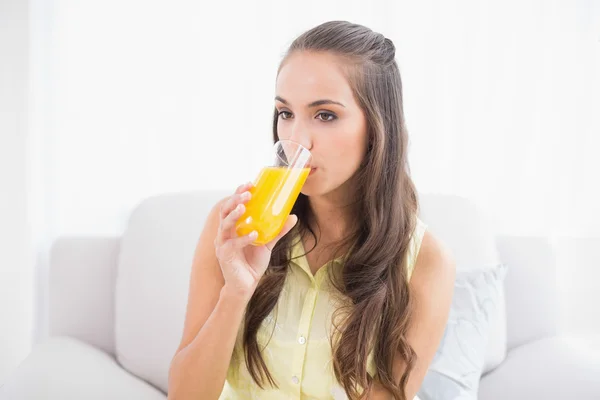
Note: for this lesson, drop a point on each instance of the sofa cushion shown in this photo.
(464, 228)
(555, 368)
(62, 368)
(458, 363)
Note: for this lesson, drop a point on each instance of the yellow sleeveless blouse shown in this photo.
(294, 338)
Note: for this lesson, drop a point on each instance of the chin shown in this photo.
(307, 192)
(312, 189)
(309, 189)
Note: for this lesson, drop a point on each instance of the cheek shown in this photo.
(347, 152)
(353, 141)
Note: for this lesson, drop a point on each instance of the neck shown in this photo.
(333, 215)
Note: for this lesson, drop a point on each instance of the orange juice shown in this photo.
(273, 196)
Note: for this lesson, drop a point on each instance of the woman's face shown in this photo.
(317, 109)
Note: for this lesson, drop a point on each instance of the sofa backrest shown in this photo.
(81, 290)
(530, 287)
(152, 281)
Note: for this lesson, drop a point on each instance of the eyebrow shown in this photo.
(314, 103)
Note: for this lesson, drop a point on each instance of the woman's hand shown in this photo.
(242, 263)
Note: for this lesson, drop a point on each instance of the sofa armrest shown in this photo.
(530, 287)
(82, 289)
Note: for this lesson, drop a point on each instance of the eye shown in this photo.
(326, 116)
(285, 114)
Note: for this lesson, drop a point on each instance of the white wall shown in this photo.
(499, 98)
(16, 283)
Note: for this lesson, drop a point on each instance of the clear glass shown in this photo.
(275, 191)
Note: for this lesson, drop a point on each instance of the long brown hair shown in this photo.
(373, 279)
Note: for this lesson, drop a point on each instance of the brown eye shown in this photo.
(285, 114)
(326, 117)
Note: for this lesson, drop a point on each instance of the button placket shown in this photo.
(303, 330)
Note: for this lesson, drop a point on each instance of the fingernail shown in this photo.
(253, 235)
(246, 195)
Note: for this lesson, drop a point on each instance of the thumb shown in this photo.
(289, 224)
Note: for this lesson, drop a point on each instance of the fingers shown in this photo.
(230, 213)
(241, 195)
(230, 220)
(244, 187)
(289, 224)
(231, 245)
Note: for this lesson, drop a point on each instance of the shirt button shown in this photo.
(295, 380)
(302, 340)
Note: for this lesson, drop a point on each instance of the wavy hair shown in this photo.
(373, 281)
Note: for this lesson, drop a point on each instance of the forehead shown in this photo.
(308, 76)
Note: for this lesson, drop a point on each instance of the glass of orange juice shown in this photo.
(275, 191)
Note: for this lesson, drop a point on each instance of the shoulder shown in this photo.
(434, 269)
(431, 287)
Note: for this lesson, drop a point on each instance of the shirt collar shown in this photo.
(298, 256)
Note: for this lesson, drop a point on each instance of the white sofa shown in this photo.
(117, 304)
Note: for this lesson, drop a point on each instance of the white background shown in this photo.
(105, 103)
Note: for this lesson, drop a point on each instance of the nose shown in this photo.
(301, 134)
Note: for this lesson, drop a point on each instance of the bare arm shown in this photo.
(213, 317)
(225, 272)
(432, 284)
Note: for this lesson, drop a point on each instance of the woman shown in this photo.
(361, 313)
